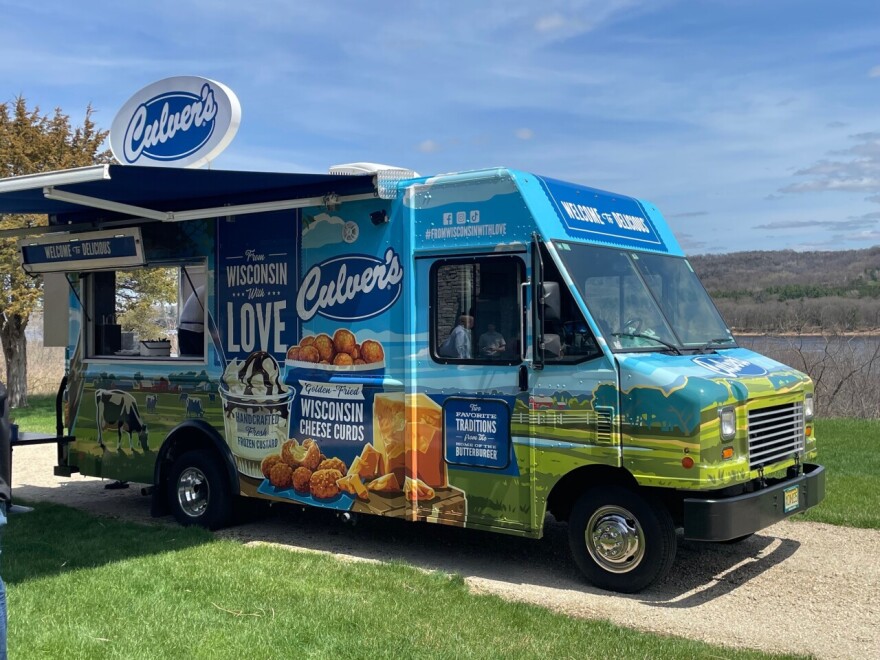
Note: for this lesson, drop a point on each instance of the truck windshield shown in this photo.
(645, 301)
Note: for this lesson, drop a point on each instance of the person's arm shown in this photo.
(461, 342)
(501, 344)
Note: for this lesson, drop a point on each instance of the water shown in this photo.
(771, 345)
(845, 370)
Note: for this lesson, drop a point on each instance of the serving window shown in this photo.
(151, 312)
(477, 310)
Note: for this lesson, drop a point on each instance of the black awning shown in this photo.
(168, 190)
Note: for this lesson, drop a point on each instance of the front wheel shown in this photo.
(620, 540)
(199, 491)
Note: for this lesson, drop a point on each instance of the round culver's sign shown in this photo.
(184, 121)
(730, 366)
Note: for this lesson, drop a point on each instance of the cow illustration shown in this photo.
(194, 407)
(119, 409)
(152, 400)
(183, 397)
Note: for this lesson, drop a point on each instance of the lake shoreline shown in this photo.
(813, 334)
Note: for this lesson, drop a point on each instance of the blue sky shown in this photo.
(750, 124)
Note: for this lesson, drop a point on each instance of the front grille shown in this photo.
(775, 433)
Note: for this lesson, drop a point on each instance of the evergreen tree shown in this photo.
(31, 143)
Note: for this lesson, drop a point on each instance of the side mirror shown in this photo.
(552, 301)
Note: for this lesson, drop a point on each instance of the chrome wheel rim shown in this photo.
(615, 539)
(193, 492)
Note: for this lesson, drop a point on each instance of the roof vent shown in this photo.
(387, 176)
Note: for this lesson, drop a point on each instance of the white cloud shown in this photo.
(428, 147)
(550, 23)
(524, 133)
(858, 172)
(874, 72)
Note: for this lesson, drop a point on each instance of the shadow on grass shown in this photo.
(54, 539)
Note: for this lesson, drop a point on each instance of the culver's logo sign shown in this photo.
(350, 288)
(729, 366)
(184, 121)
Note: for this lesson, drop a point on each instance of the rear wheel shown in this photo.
(620, 540)
(199, 492)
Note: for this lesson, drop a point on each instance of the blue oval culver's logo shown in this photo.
(729, 366)
(183, 121)
(158, 121)
(350, 288)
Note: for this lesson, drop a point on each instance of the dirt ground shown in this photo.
(795, 587)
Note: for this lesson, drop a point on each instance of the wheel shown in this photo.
(620, 540)
(198, 491)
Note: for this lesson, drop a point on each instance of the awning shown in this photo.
(113, 193)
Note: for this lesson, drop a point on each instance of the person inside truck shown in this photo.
(191, 329)
(458, 344)
(492, 343)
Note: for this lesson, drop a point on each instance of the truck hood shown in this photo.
(688, 386)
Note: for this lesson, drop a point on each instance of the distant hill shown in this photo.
(788, 291)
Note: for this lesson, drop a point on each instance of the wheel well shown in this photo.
(567, 490)
(191, 435)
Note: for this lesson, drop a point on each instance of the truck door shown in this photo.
(574, 391)
(468, 374)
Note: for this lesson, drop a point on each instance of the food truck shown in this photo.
(609, 393)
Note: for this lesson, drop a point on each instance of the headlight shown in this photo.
(728, 423)
(808, 406)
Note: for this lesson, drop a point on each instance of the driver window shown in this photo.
(567, 337)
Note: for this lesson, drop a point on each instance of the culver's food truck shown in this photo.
(474, 349)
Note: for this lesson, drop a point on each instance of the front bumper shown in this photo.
(732, 517)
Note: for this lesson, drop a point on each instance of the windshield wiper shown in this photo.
(671, 347)
(718, 340)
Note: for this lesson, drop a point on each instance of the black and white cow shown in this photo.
(152, 400)
(183, 397)
(119, 409)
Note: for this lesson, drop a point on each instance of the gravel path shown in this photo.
(796, 587)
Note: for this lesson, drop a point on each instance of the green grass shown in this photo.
(38, 417)
(850, 451)
(83, 587)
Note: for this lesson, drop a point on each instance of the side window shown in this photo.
(476, 310)
(155, 312)
(567, 337)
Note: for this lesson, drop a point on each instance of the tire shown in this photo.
(199, 491)
(620, 540)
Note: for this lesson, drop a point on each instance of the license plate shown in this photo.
(792, 499)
